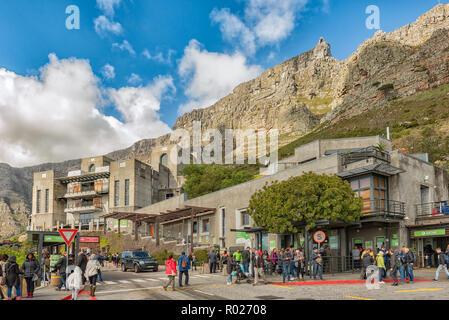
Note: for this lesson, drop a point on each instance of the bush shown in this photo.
(386, 87)
(201, 255)
(161, 256)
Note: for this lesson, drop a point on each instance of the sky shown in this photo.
(130, 68)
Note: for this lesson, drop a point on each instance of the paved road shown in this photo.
(148, 286)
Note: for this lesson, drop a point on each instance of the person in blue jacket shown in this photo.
(183, 266)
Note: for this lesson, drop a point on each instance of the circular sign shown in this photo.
(319, 236)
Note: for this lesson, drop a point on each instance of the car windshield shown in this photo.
(141, 254)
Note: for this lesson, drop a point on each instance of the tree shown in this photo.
(280, 206)
(204, 179)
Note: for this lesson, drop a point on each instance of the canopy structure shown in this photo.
(379, 168)
(161, 218)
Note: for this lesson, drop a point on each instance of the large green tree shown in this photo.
(204, 179)
(307, 198)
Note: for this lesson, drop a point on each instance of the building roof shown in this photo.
(84, 177)
(380, 168)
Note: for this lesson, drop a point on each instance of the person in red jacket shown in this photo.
(170, 271)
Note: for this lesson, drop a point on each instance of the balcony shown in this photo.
(381, 208)
(433, 210)
(356, 155)
(87, 192)
(84, 207)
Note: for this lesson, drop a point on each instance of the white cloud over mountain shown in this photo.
(264, 22)
(58, 115)
(210, 75)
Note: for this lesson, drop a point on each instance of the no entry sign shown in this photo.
(319, 236)
(68, 235)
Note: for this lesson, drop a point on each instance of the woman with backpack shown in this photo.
(30, 269)
(13, 272)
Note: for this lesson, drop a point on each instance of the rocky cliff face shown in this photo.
(294, 97)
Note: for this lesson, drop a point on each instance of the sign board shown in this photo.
(53, 239)
(319, 236)
(333, 241)
(394, 242)
(89, 239)
(68, 235)
(368, 244)
(427, 233)
(54, 258)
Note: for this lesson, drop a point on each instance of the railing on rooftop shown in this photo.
(363, 154)
(432, 209)
(385, 208)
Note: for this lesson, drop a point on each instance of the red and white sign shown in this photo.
(319, 236)
(68, 235)
(89, 239)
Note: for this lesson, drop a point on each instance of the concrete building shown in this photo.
(100, 186)
(405, 201)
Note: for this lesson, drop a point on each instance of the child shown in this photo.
(74, 282)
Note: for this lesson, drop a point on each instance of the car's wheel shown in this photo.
(136, 268)
(123, 268)
(155, 270)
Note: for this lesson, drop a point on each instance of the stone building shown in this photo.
(100, 186)
(403, 196)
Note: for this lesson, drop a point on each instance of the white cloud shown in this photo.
(108, 6)
(265, 22)
(159, 57)
(103, 25)
(124, 46)
(57, 116)
(134, 79)
(211, 76)
(108, 72)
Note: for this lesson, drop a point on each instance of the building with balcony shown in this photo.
(390, 182)
(101, 185)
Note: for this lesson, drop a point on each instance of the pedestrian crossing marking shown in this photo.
(418, 290)
(285, 287)
(358, 298)
(152, 279)
(124, 281)
(138, 280)
(109, 282)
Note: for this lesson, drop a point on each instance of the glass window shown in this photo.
(38, 201)
(206, 225)
(47, 199)
(365, 182)
(127, 192)
(195, 227)
(116, 192)
(245, 218)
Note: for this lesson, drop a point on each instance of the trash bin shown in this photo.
(55, 279)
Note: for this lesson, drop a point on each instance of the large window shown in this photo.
(206, 225)
(245, 218)
(38, 201)
(116, 192)
(373, 191)
(127, 192)
(47, 199)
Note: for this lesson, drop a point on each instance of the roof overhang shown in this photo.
(84, 177)
(379, 168)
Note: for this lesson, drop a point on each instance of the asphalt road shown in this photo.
(148, 286)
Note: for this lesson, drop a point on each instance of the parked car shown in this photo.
(138, 261)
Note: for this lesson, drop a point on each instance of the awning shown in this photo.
(84, 177)
(250, 230)
(379, 168)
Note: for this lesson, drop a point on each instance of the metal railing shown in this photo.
(362, 154)
(385, 208)
(432, 209)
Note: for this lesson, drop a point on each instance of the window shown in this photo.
(116, 192)
(97, 203)
(92, 168)
(86, 218)
(373, 191)
(245, 218)
(223, 222)
(164, 160)
(47, 199)
(77, 188)
(98, 186)
(127, 192)
(195, 227)
(169, 195)
(206, 225)
(38, 201)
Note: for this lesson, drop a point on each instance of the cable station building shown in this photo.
(405, 201)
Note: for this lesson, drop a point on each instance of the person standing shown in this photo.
(395, 263)
(3, 287)
(30, 269)
(61, 265)
(286, 262)
(273, 261)
(293, 271)
(92, 267)
(74, 282)
(212, 261)
(355, 258)
(170, 271)
(317, 264)
(259, 265)
(100, 259)
(183, 264)
(224, 261)
(190, 256)
(82, 264)
(367, 260)
(381, 265)
(12, 272)
(441, 264)
(246, 257)
(408, 261)
(428, 252)
(237, 256)
(218, 262)
(229, 269)
(45, 267)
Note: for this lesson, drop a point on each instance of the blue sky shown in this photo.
(185, 54)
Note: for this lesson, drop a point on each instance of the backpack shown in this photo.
(398, 260)
(412, 257)
(183, 262)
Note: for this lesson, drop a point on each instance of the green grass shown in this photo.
(317, 105)
(412, 120)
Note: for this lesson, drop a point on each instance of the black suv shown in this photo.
(138, 261)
